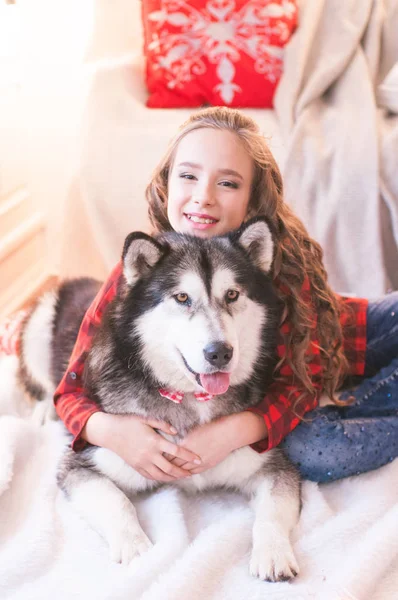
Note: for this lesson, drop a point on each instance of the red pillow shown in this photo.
(218, 52)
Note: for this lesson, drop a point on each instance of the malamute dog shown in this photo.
(194, 316)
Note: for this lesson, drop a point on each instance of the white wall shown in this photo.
(59, 40)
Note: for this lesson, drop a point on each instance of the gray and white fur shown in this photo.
(186, 310)
(48, 335)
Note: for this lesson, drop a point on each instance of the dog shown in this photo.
(197, 318)
(47, 336)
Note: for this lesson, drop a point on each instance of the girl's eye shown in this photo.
(230, 184)
(187, 176)
(182, 298)
(232, 295)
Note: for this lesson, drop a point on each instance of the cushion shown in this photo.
(217, 52)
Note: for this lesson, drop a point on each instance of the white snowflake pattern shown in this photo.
(219, 33)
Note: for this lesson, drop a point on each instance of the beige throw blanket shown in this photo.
(337, 104)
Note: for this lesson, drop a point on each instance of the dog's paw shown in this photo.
(128, 545)
(273, 560)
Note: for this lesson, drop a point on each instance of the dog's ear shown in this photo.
(140, 255)
(256, 238)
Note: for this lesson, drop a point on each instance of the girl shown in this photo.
(218, 172)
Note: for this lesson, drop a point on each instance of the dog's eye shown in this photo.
(182, 298)
(232, 295)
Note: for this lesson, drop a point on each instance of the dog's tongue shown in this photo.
(215, 384)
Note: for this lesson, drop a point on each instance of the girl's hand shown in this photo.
(215, 440)
(135, 441)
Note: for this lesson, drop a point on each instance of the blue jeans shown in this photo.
(344, 441)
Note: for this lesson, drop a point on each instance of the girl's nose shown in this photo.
(204, 197)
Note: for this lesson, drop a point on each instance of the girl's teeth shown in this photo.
(200, 220)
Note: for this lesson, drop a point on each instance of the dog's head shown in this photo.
(199, 309)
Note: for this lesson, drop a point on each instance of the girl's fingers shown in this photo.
(179, 462)
(196, 470)
(169, 457)
(159, 475)
(145, 474)
(180, 452)
(161, 425)
(188, 466)
(171, 470)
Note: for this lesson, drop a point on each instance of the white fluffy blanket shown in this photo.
(346, 542)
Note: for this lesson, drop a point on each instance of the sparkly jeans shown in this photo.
(344, 441)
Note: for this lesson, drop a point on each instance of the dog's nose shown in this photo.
(218, 354)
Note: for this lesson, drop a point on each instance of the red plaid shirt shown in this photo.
(74, 407)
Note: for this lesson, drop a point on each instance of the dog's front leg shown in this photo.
(276, 503)
(108, 510)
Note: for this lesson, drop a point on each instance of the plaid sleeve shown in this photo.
(281, 408)
(353, 320)
(279, 418)
(72, 404)
(277, 407)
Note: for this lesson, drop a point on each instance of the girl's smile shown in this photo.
(209, 183)
(201, 221)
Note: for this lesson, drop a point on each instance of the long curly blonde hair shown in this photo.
(297, 255)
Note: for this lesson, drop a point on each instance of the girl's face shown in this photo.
(209, 183)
